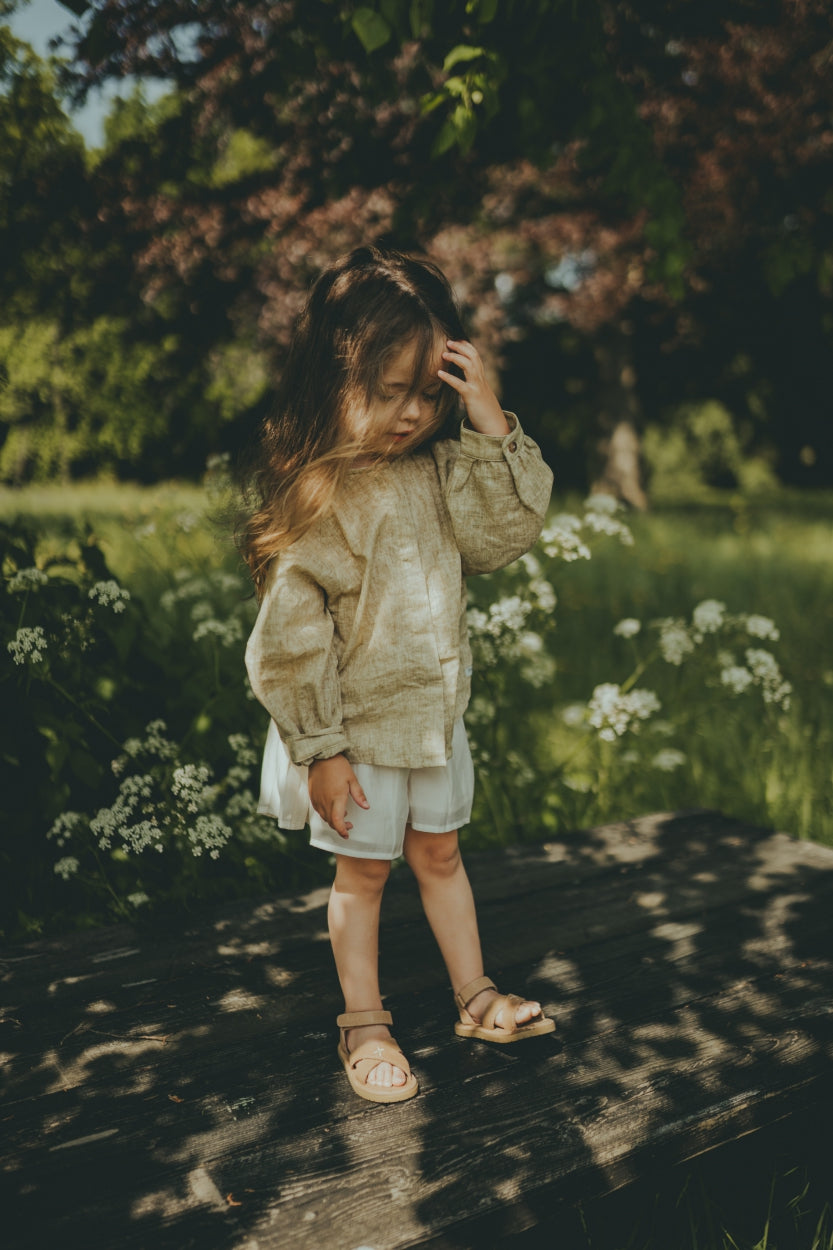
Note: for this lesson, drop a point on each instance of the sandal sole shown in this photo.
(505, 1036)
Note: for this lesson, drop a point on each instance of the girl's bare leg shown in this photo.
(353, 917)
(449, 906)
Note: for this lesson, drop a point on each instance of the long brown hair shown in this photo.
(360, 311)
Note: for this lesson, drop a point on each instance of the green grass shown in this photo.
(772, 559)
(766, 556)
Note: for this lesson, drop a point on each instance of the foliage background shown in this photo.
(635, 208)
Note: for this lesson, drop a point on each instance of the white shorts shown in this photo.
(432, 800)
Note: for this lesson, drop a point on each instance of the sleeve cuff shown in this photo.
(317, 746)
(477, 446)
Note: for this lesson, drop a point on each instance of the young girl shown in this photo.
(374, 504)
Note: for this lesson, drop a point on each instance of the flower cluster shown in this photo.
(614, 713)
(566, 537)
(109, 594)
(500, 635)
(26, 579)
(28, 645)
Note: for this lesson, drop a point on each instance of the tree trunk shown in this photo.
(617, 467)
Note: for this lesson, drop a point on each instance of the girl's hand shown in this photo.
(331, 783)
(482, 408)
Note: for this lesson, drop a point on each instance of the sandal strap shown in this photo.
(468, 992)
(355, 1019)
(508, 1004)
(376, 1052)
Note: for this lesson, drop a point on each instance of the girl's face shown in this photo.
(405, 409)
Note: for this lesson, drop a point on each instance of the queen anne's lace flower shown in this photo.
(675, 642)
(27, 579)
(66, 867)
(764, 668)
(208, 833)
(561, 539)
(761, 627)
(244, 752)
(614, 713)
(65, 826)
(709, 616)
(226, 632)
(668, 759)
(574, 714)
(109, 594)
(627, 628)
(28, 645)
(736, 677)
(190, 786)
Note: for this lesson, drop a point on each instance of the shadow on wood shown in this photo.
(184, 1090)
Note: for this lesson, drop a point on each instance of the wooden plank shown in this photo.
(693, 1002)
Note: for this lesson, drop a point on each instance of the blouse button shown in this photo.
(512, 447)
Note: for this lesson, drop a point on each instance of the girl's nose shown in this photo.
(413, 409)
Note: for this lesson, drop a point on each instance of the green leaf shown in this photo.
(485, 9)
(372, 29)
(463, 52)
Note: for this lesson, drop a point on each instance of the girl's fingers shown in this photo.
(357, 794)
(451, 378)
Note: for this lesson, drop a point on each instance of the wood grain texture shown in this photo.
(183, 1089)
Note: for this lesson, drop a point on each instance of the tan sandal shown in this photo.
(359, 1063)
(487, 1030)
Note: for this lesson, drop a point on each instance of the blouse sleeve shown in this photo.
(292, 664)
(497, 490)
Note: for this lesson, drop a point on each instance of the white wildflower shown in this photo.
(27, 579)
(561, 538)
(668, 759)
(761, 627)
(574, 714)
(767, 674)
(242, 747)
(202, 610)
(113, 821)
(542, 592)
(137, 898)
(145, 531)
(241, 804)
(629, 757)
(508, 614)
(28, 645)
(602, 523)
(675, 642)
(614, 713)
(530, 564)
(190, 786)
(736, 677)
(65, 826)
(227, 632)
(537, 668)
(109, 594)
(709, 616)
(628, 627)
(66, 867)
(237, 775)
(603, 504)
(208, 833)
(664, 728)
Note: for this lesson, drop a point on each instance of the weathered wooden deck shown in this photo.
(185, 1091)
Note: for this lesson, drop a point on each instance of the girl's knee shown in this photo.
(432, 854)
(365, 876)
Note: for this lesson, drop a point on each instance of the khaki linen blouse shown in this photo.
(360, 645)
